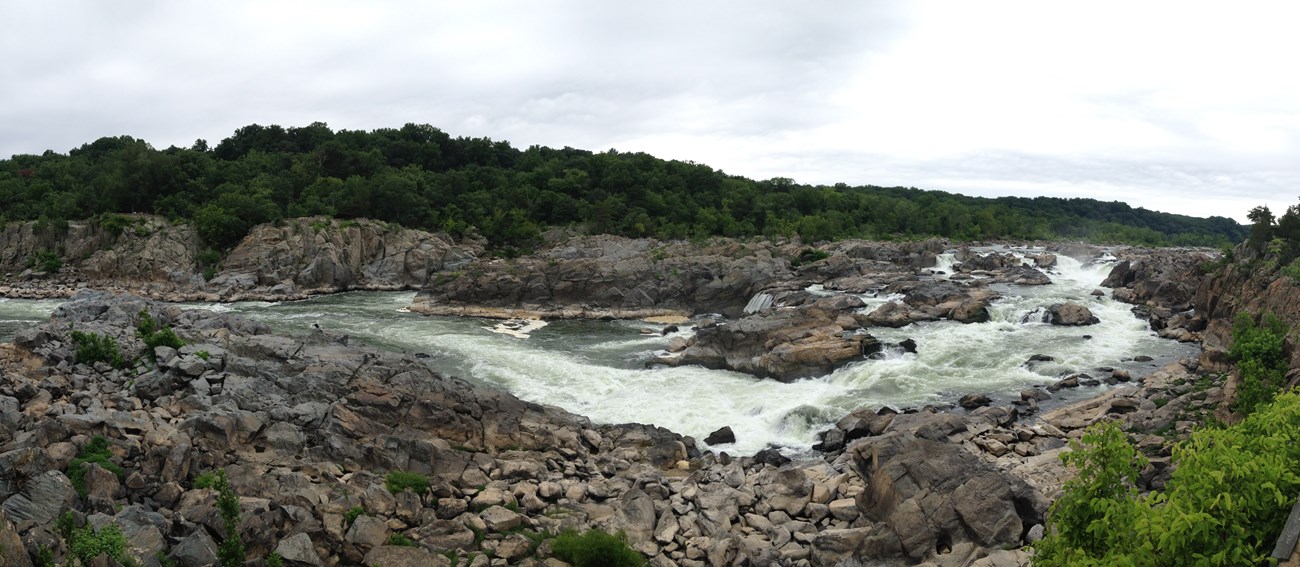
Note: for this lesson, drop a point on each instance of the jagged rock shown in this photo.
(12, 551)
(196, 550)
(43, 497)
(298, 549)
(499, 519)
(965, 499)
(972, 401)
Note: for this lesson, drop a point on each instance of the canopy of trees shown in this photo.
(419, 176)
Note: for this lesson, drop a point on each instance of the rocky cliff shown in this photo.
(308, 429)
(289, 259)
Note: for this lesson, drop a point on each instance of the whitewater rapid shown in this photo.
(597, 369)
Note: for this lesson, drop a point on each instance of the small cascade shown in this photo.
(760, 302)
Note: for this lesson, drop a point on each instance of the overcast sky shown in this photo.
(1185, 107)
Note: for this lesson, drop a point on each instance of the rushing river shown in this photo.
(597, 369)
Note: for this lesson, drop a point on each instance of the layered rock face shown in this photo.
(291, 259)
(1243, 288)
(307, 429)
(150, 254)
(319, 255)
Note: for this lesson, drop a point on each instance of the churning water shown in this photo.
(597, 369)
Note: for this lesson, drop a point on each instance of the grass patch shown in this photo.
(596, 548)
(398, 481)
(95, 452)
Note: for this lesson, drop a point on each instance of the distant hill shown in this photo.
(419, 176)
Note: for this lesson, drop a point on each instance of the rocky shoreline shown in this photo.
(309, 428)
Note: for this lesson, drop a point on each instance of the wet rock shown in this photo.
(723, 435)
(786, 344)
(972, 401)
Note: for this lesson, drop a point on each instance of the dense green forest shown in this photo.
(419, 176)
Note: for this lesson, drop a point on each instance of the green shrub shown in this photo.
(231, 550)
(397, 481)
(94, 347)
(352, 514)
(1258, 352)
(1230, 493)
(87, 544)
(113, 223)
(595, 548)
(96, 451)
(45, 261)
(274, 560)
(399, 539)
(153, 335)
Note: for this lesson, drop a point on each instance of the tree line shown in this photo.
(419, 176)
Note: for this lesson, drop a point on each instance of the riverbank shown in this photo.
(308, 429)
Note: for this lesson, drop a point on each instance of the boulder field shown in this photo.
(308, 428)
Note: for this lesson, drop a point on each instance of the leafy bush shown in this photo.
(397, 481)
(153, 335)
(94, 347)
(1230, 494)
(231, 550)
(1261, 360)
(596, 548)
(96, 451)
(45, 261)
(87, 544)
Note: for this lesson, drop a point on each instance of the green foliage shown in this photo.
(45, 261)
(231, 550)
(113, 223)
(397, 481)
(1099, 498)
(203, 354)
(596, 548)
(399, 539)
(86, 544)
(94, 347)
(420, 177)
(44, 556)
(153, 335)
(1225, 504)
(352, 514)
(274, 560)
(1261, 360)
(96, 451)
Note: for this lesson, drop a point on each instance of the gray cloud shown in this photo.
(882, 92)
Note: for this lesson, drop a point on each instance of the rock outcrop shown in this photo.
(784, 343)
(319, 255)
(289, 259)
